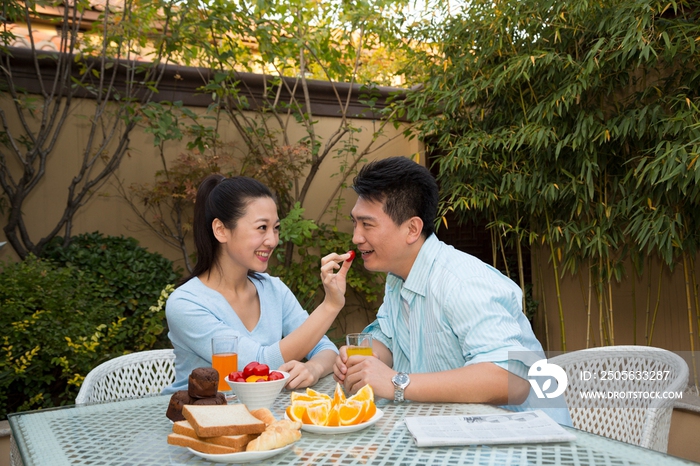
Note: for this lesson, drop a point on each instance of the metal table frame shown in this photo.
(133, 432)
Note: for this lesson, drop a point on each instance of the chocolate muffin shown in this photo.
(177, 401)
(203, 382)
(219, 399)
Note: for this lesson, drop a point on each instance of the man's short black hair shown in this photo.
(406, 188)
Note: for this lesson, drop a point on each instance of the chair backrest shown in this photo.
(129, 376)
(641, 420)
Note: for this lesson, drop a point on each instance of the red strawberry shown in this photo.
(248, 370)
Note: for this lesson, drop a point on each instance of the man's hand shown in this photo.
(362, 370)
(339, 367)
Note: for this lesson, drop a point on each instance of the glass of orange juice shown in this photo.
(359, 344)
(224, 358)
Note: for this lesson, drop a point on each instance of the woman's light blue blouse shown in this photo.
(196, 313)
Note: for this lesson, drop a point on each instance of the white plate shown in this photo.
(241, 457)
(341, 429)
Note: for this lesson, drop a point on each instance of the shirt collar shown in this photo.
(417, 280)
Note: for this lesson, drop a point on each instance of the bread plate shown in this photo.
(241, 457)
(341, 429)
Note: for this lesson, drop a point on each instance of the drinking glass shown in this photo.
(359, 344)
(224, 358)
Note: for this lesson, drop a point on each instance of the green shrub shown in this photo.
(133, 275)
(56, 328)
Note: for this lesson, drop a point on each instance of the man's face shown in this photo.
(379, 240)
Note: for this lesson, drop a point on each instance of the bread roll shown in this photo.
(265, 415)
(277, 435)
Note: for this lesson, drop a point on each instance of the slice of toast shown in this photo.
(215, 421)
(199, 445)
(232, 441)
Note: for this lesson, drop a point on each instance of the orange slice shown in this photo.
(370, 411)
(295, 412)
(255, 378)
(338, 395)
(297, 396)
(320, 409)
(314, 394)
(364, 394)
(316, 414)
(351, 413)
(334, 416)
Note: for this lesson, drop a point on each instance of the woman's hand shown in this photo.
(300, 374)
(334, 283)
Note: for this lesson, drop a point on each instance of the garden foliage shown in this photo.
(573, 125)
(66, 313)
(134, 276)
(278, 140)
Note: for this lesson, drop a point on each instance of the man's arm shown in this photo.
(476, 383)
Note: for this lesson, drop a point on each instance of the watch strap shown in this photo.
(398, 395)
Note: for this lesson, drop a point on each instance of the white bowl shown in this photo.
(258, 394)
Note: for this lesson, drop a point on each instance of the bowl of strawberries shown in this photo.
(256, 386)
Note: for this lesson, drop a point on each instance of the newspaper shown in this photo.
(484, 429)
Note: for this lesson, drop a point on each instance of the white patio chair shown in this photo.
(129, 376)
(640, 421)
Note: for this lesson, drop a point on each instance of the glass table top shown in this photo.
(134, 432)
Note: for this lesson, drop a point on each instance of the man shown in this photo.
(451, 327)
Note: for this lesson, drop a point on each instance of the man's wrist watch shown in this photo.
(400, 382)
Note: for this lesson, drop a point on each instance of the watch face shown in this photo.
(400, 379)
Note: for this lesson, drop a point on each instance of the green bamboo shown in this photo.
(494, 249)
(588, 306)
(656, 307)
(543, 296)
(503, 255)
(599, 294)
(689, 308)
(611, 320)
(648, 304)
(521, 272)
(556, 284)
(634, 308)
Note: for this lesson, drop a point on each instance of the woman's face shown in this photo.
(251, 242)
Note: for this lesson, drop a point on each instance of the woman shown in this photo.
(236, 229)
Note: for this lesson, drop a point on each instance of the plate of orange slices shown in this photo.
(320, 413)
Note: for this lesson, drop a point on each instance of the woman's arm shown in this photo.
(298, 343)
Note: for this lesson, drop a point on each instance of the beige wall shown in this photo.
(108, 213)
(5, 450)
(683, 436)
(672, 330)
